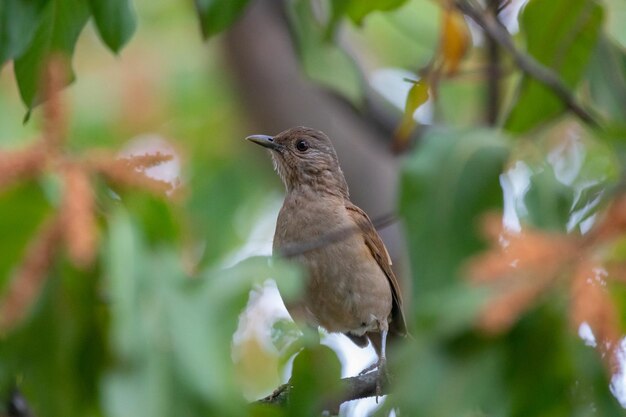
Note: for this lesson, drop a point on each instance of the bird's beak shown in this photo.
(264, 140)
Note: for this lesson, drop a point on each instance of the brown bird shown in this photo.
(351, 287)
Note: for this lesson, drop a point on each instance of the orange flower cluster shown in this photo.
(521, 267)
(74, 225)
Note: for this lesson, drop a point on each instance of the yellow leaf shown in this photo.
(455, 40)
(418, 95)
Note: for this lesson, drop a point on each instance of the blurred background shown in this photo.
(136, 275)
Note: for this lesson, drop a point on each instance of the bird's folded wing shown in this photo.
(380, 254)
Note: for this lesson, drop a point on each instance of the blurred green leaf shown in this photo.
(322, 60)
(447, 184)
(219, 196)
(61, 23)
(159, 219)
(115, 20)
(607, 79)
(449, 311)
(171, 333)
(540, 368)
(315, 379)
(217, 15)
(284, 333)
(406, 37)
(562, 35)
(57, 356)
(569, 174)
(457, 376)
(616, 13)
(23, 208)
(357, 10)
(18, 21)
(566, 377)
(547, 201)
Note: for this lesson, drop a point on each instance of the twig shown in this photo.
(353, 388)
(335, 236)
(493, 69)
(525, 62)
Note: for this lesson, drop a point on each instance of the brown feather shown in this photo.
(380, 254)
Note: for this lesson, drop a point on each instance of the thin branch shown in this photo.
(526, 63)
(492, 71)
(353, 388)
(335, 236)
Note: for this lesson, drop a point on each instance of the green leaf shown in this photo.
(22, 210)
(18, 21)
(607, 79)
(217, 15)
(172, 334)
(315, 377)
(562, 35)
(569, 173)
(447, 184)
(158, 218)
(322, 60)
(57, 356)
(115, 20)
(443, 380)
(539, 368)
(61, 23)
(357, 10)
(214, 219)
(572, 377)
(548, 201)
(616, 14)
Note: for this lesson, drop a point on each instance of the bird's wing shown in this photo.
(380, 254)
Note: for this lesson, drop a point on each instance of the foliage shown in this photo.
(120, 292)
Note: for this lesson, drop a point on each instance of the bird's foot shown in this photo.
(381, 374)
(369, 368)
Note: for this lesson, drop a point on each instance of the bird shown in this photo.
(350, 286)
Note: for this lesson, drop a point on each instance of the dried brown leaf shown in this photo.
(30, 275)
(455, 40)
(612, 224)
(141, 162)
(617, 271)
(591, 303)
(21, 164)
(123, 173)
(513, 254)
(504, 309)
(77, 211)
(520, 267)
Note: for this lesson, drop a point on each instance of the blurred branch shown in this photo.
(353, 388)
(497, 32)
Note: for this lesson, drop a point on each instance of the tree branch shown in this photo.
(353, 388)
(525, 62)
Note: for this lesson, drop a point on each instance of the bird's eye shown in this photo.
(302, 145)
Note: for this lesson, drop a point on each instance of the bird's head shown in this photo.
(304, 157)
